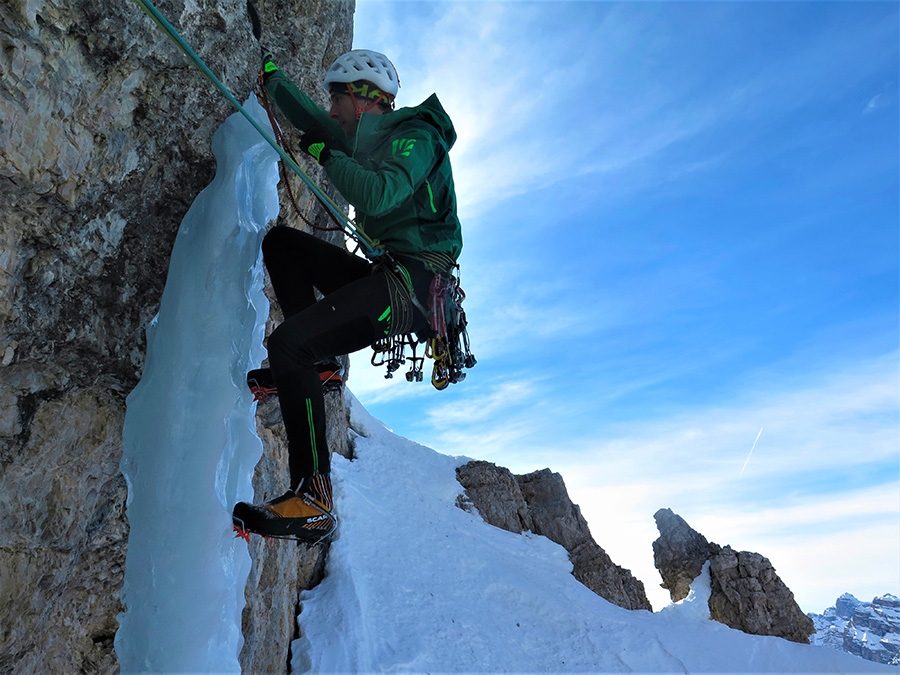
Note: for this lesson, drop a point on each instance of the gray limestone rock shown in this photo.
(845, 605)
(873, 629)
(495, 494)
(557, 518)
(105, 140)
(63, 552)
(679, 554)
(865, 629)
(553, 513)
(539, 502)
(746, 592)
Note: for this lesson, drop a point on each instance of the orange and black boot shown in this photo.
(306, 514)
(261, 384)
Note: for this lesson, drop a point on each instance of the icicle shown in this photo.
(190, 443)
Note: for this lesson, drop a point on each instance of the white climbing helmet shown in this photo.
(364, 64)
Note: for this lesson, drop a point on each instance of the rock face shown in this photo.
(746, 592)
(679, 554)
(870, 630)
(105, 135)
(539, 502)
(831, 623)
(495, 493)
(281, 569)
(748, 595)
(63, 552)
(874, 630)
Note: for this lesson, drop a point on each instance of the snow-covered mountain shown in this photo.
(416, 584)
(867, 629)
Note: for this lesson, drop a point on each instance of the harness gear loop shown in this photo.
(446, 341)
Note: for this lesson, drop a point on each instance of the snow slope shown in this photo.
(415, 584)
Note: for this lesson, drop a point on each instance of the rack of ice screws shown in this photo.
(448, 345)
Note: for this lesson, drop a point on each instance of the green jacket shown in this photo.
(395, 171)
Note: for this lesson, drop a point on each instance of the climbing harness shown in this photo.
(446, 341)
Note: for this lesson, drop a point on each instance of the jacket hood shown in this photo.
(429, 111)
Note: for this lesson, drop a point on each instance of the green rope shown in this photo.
(370, 249)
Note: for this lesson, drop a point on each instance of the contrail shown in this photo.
(751, 452)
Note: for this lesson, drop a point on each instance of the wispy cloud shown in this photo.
(487, 407)
(601, 94)
(845, 419)
(872, 105)
(824, 471)
(527, 117)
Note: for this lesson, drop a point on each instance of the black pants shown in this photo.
(362, 304)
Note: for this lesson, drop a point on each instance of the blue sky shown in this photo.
(681, 228)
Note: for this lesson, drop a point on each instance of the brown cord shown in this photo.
(263, 97)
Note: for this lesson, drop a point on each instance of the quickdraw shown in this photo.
(447, 342)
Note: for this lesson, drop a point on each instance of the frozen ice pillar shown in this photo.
(190, 441)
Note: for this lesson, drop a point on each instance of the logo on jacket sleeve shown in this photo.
(402, 146)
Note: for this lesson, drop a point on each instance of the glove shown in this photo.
(315, 143)
(268, 66)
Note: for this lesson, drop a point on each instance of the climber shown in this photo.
(392, 166)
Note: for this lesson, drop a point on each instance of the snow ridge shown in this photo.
(416, 584)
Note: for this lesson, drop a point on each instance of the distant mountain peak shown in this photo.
(870, 630)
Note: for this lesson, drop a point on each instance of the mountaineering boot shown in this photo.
(262, 384)
(331, 373)
(305, 514)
